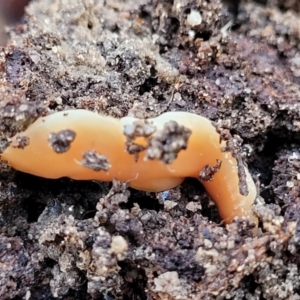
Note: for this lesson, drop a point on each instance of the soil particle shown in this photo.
(95, 161)
(135, 130)
(169, 284)
(16, 112)
(61, 141)
(208, 171)
(165, 144)
(243, 188)
(15, 264)
(233, 145)
(21, 142)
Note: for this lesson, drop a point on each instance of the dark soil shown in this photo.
(68, 239)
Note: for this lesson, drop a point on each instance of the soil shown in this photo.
(66, 239)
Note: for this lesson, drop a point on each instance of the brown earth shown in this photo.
(67, 239)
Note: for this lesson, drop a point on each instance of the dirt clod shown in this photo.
(165, 144)
(61, 141)
(207, 173)
(21, 142)
(135, 130)
(95, 161)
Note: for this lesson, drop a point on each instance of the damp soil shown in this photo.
(66, 239)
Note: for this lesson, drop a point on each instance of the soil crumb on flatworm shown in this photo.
(208, 171)
(61, 141)
(95, 161)
(21, 142)
(140, 128)
(165, 144)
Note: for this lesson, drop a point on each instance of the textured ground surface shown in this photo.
(10, 13)
(87, 240)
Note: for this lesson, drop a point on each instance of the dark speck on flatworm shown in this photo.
(208, 171)
(21, 142)
(95, 161)
(61, 141)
